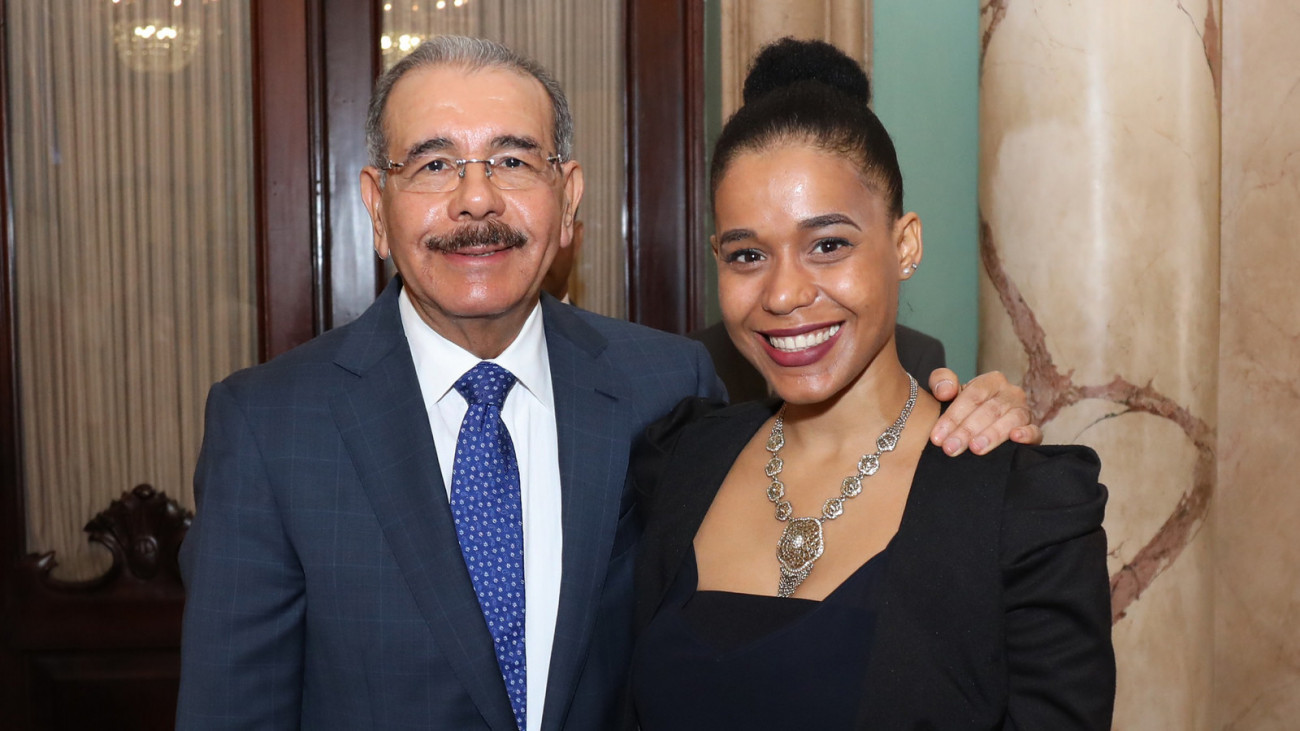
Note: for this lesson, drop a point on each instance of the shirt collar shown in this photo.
(440, 362)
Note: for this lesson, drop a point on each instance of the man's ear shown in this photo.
(907, 239)
(372, 194)
(574, 182)
(578, 228)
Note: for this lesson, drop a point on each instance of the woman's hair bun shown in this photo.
(790, 61)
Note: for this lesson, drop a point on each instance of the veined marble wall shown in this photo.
(1257, 506)
(1099, 200)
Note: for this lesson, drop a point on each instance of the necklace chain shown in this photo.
(803, 541)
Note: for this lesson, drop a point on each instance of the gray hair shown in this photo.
(472, 54)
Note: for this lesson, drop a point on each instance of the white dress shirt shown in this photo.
(529, 415)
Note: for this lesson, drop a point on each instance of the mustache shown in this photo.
(492, 233)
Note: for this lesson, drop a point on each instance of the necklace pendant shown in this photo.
(790, 580)
(801, 544)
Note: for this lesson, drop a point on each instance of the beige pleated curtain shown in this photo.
(130, 131)
(581, 43)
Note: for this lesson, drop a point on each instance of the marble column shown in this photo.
(1099, 202)
(1257, 508)
(748, 25)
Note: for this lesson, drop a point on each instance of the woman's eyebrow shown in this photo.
(827, 219)
(735, 234)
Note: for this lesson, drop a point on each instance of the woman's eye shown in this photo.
(743, 256)
(829, 246)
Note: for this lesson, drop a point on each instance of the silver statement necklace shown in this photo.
(802, 542)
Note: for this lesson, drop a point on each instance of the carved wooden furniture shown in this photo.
(105, 653)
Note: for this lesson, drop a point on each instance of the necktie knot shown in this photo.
(486, 383)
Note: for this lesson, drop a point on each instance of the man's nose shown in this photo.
(789, 286)
(475, 196)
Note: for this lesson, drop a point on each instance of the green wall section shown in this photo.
(925, 81)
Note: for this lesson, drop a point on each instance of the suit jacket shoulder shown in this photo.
(996, 575)
(654, 368)
(919, 353)
(322, 363)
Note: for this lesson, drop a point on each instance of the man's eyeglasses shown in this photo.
(433, 173)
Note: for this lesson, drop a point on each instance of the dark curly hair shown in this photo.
(811, 92)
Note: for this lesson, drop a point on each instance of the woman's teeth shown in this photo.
(804, 341)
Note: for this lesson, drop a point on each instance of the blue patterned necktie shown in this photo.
(489, 520)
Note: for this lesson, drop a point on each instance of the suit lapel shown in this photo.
(384, 425)
(593, 464)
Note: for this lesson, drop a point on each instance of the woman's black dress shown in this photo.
(717, 659)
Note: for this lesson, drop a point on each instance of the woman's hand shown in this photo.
(985, 413)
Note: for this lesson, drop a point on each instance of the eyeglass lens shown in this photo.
(510, 171)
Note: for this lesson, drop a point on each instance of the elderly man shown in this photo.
(419, 520)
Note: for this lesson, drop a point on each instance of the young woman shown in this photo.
(814, 562)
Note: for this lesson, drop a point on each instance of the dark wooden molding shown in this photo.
(12, 523)
(14, 688)
(290, 258)
(695, 247)
(350, 63)
(665, 162)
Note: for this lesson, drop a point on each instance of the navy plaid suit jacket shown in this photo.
(325, 584)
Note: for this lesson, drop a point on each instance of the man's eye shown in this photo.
(509, 162)
(438, 165)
